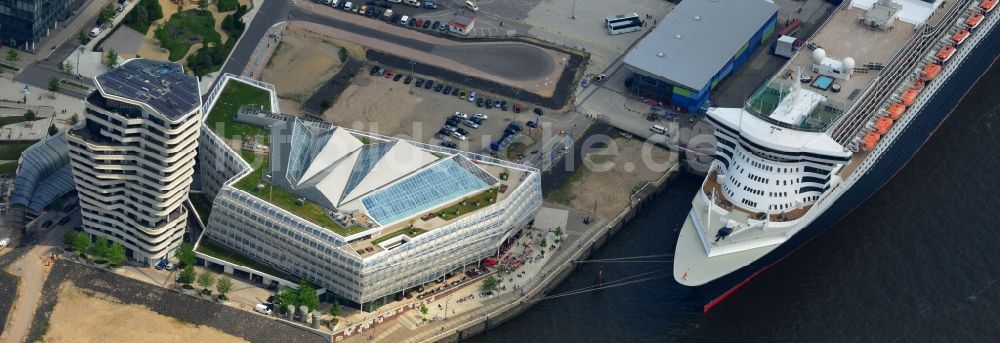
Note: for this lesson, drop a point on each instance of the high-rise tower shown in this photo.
(133, 157)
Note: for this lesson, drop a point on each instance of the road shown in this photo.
(32, 270)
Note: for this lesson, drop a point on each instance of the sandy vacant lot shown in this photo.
(79, 317)
(302, 62)
(614, 177)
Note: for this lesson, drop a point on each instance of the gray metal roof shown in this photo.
(710, 31)
(162, 85)
(44, 173)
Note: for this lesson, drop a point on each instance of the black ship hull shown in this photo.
(903, 149)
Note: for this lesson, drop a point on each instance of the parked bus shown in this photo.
(623, 23)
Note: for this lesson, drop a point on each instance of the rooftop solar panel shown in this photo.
(162, 85)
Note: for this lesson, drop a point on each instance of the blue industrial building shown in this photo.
(698, 44)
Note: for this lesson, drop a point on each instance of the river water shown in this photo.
(919, 261)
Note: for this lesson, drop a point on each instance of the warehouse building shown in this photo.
(698, 44)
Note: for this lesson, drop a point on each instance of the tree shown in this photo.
(81, 242)
(69, 237)
(223, 285)
(107, 13)
(558, 231)
(307, 296)
(287, 296)
(185, 254)
(68, 69)
(203, 5)
(74, 119)
(111, 58)
(187, 276)
(490, 284)
(116, 254)
(53, 130)
(13, 56)
(543, 243)
(100, 248)
(54, 84)
(424, 310)
(82, 37)
(29, 115)
(206, 279)
(335, 310)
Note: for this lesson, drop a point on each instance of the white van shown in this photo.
(96, 31)
(395, 1)
(387, 15)
(413, 3)
(658, 129)
(404, 20)
(333, 3)
(471, 5)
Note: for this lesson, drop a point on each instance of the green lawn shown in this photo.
(285, 199)
(8, 167)
(210, 248)
(15, 120)
(409, 231)
(203, 205)
(564, 194)
(186, 28)
(235, 95)
(468, 205)
(12, 151)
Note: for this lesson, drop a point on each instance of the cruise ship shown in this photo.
(843, 115)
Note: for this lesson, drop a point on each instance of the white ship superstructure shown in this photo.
(816, 127)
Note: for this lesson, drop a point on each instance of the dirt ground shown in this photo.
(315, 58)
(150, 47)
(80, 317)
(616, 184)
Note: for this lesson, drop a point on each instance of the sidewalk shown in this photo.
(89, 63)
(83, 21)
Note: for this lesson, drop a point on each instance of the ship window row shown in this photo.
(748, 202)
(763, 180)
(777, 194)
(753, 191)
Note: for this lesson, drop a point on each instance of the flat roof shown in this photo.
(692, 43)
(162, 85)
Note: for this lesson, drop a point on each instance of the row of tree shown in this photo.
(101, 249)
(206, 279)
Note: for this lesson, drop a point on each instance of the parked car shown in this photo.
(472, 124)
(462, 131)
(461, 115)
(438, 87)
(4, 242)
(436, 25)
(427, 24)
(503, 105)
(479, 102)
(476, 120)
(455, 91)
(407, 80)
(162, 264)
(46, 224)
(363, 10)
(471, 5)
(412, 23)
(517, 108)
(373, 70)
(531, 124)
(261, 308)
(404, 20)
(538, 111)
(420, 82)
(348, 5)
(428, 84)
(450, 129)
(453, 121)
(64, 220)
(389, 74)
(447, 90)
(489, 103)
(420, 21)
(461, 94)
(449, 144)
(397, 77)
(430, 4)
(481, 116)
(472, 96)
(458, 136)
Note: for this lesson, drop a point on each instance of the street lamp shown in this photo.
(573, 15)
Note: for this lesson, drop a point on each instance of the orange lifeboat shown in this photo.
(960, 36)
(931, 71)
(869, 141)
(945, 53)
(882, 125)
(896, 110)
(974, 20)
(988, 5)
(909, 96)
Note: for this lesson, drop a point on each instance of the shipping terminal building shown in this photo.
(697, 45)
